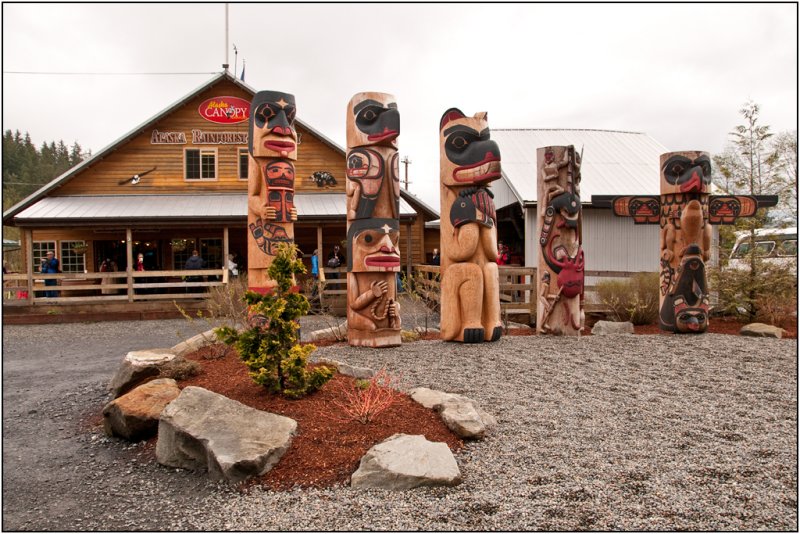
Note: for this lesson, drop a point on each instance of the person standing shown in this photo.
(194, 263)
(50, 265)
(108, 266)
(436, 259)
(233, 268)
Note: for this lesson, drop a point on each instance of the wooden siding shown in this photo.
(139, 155)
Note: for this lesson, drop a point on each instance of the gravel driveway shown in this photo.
(628, 432)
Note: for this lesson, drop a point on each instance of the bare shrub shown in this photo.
(634, 299)
(365, 400)
(769, 297)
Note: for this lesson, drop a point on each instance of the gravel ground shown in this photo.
(598, 433)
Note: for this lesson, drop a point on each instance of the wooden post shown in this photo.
(28, 238)
(685, 211)
(373, 220)
(270, 188)
(559, 308)
(129, 262)
(320, 254)
(470, 287)
(225, 248)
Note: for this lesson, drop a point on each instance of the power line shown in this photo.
(53, 73)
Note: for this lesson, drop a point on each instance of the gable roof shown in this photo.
(614, 162)
(102, 153)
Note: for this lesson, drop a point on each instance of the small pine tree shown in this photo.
(269, 347)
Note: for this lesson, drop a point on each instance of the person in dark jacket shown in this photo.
(50, 265)
(195, 262)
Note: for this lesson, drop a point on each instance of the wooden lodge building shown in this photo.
(179, 182)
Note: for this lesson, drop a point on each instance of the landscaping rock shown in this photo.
(607, 328)
(347, 369)
(421, 330)
(460, 414)
(403, 462)
(409, 335)
(761, 330)
(204, 430)
(134, 416)
(137, 367)
(195, 343)
(518, 326)
(338, 333)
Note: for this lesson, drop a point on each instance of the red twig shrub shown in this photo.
(364, 400)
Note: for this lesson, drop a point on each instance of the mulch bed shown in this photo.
(326, 449)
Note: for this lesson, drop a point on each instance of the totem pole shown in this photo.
(685, 211)
(470, 285)
(560, 285)
(373, 226)
(270, 189)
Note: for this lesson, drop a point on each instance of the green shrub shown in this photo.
(770, 296)
(269, 347)
(634, 299)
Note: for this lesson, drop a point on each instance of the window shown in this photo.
(181, 250)
(40, 250)
(788, 248)
(201, 164)
(72, 261)
(763, 248)
(211, 251)
(244, 158)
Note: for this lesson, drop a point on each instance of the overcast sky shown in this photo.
(678, 72)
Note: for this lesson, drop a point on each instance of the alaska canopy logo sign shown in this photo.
(225, 109)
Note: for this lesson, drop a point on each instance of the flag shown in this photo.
(242, 77)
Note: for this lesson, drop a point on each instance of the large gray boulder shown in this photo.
(204, 430)
(761, 330)
(403, 462)
(608, 328)
(461, 414)
(134, 416)
(137, 367)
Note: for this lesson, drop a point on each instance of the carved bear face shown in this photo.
(467, 155)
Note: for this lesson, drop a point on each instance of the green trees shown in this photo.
(756, 163)
(26, 168)
(269, 347)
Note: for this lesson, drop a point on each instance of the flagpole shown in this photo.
(226, 64)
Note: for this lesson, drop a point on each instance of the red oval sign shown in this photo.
(225, 109)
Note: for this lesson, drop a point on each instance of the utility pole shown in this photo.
(226, 64)
(405, 161)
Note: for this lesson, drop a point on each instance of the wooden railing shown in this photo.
(19, 289)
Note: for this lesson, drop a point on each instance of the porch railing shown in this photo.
(19, 289)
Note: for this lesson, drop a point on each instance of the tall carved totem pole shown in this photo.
(559, 307)
(373, 220)
(685, 211)
(470, 294)
(272, 145)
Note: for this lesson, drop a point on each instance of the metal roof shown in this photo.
(614, 162)
(176, 207)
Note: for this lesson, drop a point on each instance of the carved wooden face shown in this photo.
(372, 120)
(272, 132)
(373, 246)
(467, 155)
(685, 172)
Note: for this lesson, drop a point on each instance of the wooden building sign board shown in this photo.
(225, 109)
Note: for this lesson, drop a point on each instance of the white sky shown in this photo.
(679, 72)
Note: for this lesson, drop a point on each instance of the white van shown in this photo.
(776, 246)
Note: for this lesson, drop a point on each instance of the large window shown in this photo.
(40, 250)
(201, 164)
(244, 157)
(181, 250)
(211, 251)
(73, 256)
